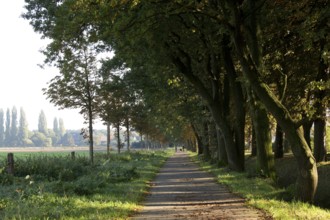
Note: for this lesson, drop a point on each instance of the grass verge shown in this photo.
(263, 194)
(56, 187)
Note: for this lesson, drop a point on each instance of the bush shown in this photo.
(51, 168)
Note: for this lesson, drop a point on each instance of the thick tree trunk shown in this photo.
(253, 142)
(307, 133)
(265, 159)
(222, 154)
(206, 141)
(259, 116)
(232, 153)
(320, 152)
(279, 142)
(236, 93)
(199, 141)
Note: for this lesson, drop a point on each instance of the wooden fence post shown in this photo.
(10, 163)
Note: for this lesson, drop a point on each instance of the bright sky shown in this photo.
(21, 80)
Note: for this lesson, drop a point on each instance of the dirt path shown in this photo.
(182, 191)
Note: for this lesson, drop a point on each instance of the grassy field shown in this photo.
(265, 194)
(53, 186)
(22, 155)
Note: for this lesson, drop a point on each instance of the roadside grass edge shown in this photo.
(263, 194)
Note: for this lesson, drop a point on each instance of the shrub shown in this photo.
(52, 168)
(5, 179)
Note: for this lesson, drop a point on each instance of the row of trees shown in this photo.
(15, 133)
(217, 73)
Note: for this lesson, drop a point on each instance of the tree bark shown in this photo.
(128, 136)
(91, 139)
(279, 142)
(236, 92)
(199, 141)
(222, 154)
(118, 137)
(265, 159)
(253, 142)
(206, 141)
(108, 138)
(307, 133)
(320, 152)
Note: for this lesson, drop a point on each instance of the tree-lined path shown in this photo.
(182, 191)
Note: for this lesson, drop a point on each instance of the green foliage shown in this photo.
(42, 123)
(41, 140)
(5, 179)
(23, 132)
(2, 128)
(57, 187)
(57, 168)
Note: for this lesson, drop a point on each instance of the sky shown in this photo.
(21, 79)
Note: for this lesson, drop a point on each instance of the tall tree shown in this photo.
(7, 132)
(42, 123)
(76, 85)
(23, 131)
(2, 127)
(13, 128)
(61, 127)
(55, 126)
(307, 175)
(56, 132)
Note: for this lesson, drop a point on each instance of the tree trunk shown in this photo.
(236, 94)
(206, 142)
(222, 154)
(279, 142)
(118, 137)
(253, 142)
(91, 139)
(320, 152)
(259, 116)
(307, 133)
(108, 138)
(265, 159)
(128, 135)
(199, 141)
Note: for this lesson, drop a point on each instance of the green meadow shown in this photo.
(55, 186)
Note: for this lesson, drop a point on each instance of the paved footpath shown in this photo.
(182, 191)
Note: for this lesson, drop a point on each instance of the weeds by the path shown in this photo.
(263, 194)
(57, 187)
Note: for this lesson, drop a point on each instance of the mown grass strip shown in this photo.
(263, 194)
